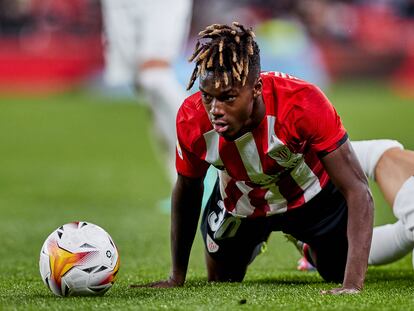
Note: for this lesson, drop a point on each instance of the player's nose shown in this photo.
(216, 108)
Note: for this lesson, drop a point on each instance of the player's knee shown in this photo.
(331, 262)
(226, 273)
(223, 271)
(332, 275)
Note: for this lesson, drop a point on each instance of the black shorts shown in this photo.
(321, 223)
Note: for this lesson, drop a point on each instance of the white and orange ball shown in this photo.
(78, 259)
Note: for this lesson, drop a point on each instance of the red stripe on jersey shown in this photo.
(291, 191)
(230, 155)
(233, 195)
(270, 166)
(200, 146)
(317, 168)
(257, 199)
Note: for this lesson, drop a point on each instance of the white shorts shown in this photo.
(138, 30)
(369, 152)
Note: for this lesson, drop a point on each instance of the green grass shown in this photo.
(79, 157)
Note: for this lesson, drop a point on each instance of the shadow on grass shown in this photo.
(374, 275)
(122, 291)
(381, 274)
(287, 281)
(201, 284)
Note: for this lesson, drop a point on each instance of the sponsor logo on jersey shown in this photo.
(211, 245)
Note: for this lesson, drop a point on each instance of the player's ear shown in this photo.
(257, 88)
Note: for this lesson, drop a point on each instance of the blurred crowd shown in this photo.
(347, 39)
(25, 17)
(318, 40)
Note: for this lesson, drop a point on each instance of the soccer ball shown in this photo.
(79, 259)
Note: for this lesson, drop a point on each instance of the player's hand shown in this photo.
(160, 284)
(341, 291)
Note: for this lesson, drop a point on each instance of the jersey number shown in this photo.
(223, 224)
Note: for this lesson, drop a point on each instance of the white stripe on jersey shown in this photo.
(307, 180)
(277, 202)
(243, 206)
(301, 174)
(212, 143)
(277, 150)
(224, 178)
(273, 142)
(251, 160)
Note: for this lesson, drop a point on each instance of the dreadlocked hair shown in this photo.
(226, 50)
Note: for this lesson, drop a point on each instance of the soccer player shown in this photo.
(143, 38)
(392, 167)
(285, 164)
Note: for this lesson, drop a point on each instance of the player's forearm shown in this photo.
(183, 231)
(360, 222)
(185, 213)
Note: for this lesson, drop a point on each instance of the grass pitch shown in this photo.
(80, 157)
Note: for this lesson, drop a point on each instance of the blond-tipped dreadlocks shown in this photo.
(230, 50)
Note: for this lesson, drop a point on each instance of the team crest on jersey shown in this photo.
(284, 156)
(211, 245)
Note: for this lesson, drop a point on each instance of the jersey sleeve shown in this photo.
(188, 164)
(189, 150)
(320, 123)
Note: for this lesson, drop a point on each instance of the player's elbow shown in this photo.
(360, 194)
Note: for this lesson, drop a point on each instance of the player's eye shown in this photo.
(206, 97)
(230, 98)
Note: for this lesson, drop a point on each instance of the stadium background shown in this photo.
(72, 149)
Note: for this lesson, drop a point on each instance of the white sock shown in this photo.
(393, 241)
(389, 243)
(370, 151)
(403, 207)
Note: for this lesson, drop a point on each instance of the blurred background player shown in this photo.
(143, 38)
(392, 167)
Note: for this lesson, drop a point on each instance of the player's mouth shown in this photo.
(220, 127)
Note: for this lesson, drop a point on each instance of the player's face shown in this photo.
(233, 109)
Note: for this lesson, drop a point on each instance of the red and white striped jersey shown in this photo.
(276, 166)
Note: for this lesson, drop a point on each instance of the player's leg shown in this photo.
(322, 226)
(164, 29)
(231, 243)
(369, 153)
(329, 255)
(120, 43)
(391, 242)
(392, 168)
